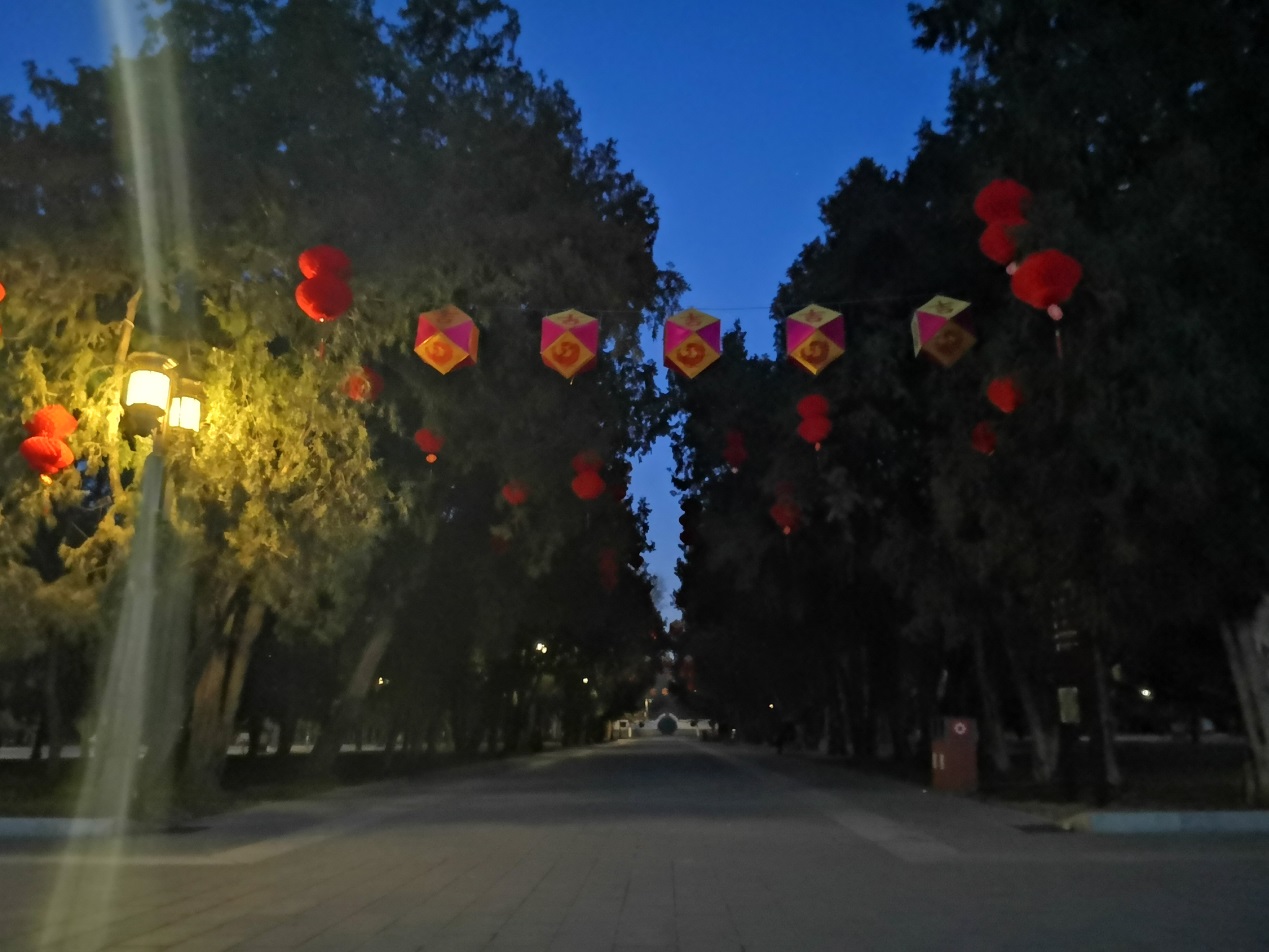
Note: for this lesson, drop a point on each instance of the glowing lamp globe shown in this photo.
(186, 412)
(815, 337)
(147, 392)
(941, 330)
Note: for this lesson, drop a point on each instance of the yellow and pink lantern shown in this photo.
(570, 343)
(941, 330)
(447, 339)
(815, 337)
(693, 341)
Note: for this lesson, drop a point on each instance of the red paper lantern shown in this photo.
(3, 292)
(46, 455)
(815, 429)
(983, 438)
(1045, 280)
(787, 515)
(324, 298)
(430, 443)
(1002, 202)
(54, 420)
(813, 405)
(588, 485)
(516, 493)
(587, 462)
(324, 259)
(997, 243)
(1004, 394)
(364, 384)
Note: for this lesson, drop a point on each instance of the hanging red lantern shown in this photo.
(324, 259)
(1004, 394)
(324, 298)
(983, 438)
(364, 384)
(735, 453)
(813, 405)
(815, 426)
(1046, 280)
(588, 485)
(47, 455)
(516, 493)
(1002, 202)
(54, 420)
(608, 569)
(998, 244)
(430, 443)
(815, 430)
(3, 292)
(787, 515)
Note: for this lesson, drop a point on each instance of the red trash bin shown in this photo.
(954, 751)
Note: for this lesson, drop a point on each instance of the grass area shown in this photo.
(26, 790)
(1157, 775)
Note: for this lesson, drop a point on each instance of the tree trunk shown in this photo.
(347, 710)
(286, 733)
(1109, 777)
(215, 704)
(53, 711)
(1247, 647)
(989, 705)
(1044, 748)
(37, 745)
(255, 730)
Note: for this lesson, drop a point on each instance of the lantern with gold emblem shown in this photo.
(941, 330)
(815, 337)
(693, 341)
(447, 338)
(570, 343)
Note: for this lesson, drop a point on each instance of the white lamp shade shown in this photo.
(186, 414)
(149, 388)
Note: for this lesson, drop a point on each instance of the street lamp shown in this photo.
(156, 398)
(147, 394)
(187, 406)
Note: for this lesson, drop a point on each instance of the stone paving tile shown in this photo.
(661, 845)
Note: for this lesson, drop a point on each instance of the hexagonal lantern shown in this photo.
(570, 343)
(815, 337)
(693, 341)
(447, 338)
(941, 330)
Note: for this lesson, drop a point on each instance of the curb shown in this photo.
(1171, 821)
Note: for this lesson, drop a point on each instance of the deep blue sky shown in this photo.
(739, 115)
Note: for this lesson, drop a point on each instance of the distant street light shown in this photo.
(540, 647)
(585, 680)
(1147, 693)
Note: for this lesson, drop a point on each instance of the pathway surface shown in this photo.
(659, 844)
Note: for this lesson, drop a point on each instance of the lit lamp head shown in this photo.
(147, 393)
(187, 407)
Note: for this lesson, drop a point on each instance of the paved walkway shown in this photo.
(659, 844)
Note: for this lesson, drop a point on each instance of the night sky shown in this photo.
(739, 115)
